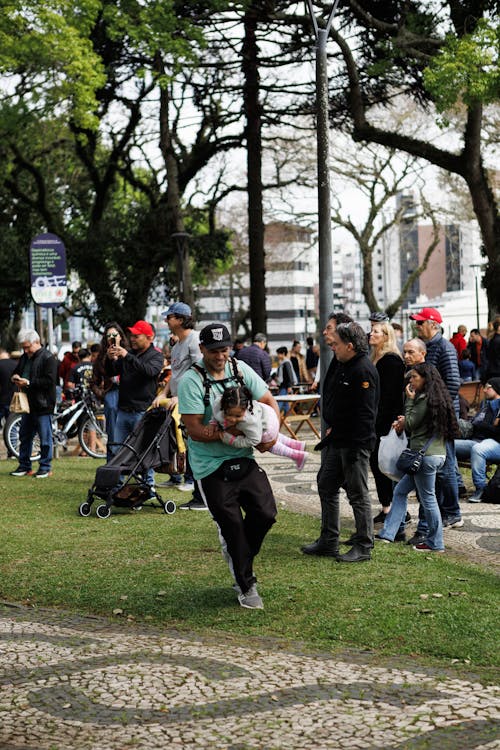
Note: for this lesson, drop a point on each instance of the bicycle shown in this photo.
(83, 419)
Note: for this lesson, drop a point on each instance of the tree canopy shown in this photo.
(113, 114)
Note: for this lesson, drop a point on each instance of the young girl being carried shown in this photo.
(236, 411)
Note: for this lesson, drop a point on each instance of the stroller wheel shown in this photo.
(84, 509)
(102, 511)
(169, 507)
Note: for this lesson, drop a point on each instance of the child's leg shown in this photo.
(280, 448)
(299, 445)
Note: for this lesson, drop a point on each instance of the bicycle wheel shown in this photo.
(11, 437)
(92, 435)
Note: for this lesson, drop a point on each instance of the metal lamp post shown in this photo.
(323, 166)
(476, 266)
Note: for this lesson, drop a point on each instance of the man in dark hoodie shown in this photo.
(484, 444)
(350, 398)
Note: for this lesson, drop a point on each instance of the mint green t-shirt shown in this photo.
(205, 458)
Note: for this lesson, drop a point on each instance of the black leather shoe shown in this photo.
(356, 554)
(352, 540)
(416, 539)
(320, 549)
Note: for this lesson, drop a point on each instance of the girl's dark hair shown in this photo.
(441, 417)
(123, 336)
(237, 396)
(99, 365)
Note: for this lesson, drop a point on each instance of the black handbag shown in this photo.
(410, 461)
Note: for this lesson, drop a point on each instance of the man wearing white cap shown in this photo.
(442, 354)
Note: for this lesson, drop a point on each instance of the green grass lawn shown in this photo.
(169, 570)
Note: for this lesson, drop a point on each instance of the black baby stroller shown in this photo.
(152, 444)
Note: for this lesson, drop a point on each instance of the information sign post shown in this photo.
(49, 287)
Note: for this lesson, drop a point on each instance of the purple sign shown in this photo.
(48, 270)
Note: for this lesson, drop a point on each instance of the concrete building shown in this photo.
(291, 288)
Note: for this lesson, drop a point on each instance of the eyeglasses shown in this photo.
(420, 322)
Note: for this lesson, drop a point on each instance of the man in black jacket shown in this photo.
(138, 370)
(36, 375)
(350, 398)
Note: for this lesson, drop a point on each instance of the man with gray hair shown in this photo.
(414, 351)
(350, 398)
(36, 375)
(256, 356)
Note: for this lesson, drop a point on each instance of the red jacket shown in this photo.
(68, 362)
(459, 343)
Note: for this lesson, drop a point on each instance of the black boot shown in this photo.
(320, 549)
(355, 554)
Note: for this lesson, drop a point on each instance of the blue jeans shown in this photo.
(283, 405)
(424, 482)
(125, 423)
(30, 425)
(110, 412)
(446, 489)
(447, 484)
(479, 451)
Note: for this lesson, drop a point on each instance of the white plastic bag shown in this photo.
(390, 449)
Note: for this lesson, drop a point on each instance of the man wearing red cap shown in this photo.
(442, 354)
(138, 370)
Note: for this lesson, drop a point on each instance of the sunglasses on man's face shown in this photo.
(420, 322)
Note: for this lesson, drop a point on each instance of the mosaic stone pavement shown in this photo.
(87, 683)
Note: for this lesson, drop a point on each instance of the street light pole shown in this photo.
(323, 166)
(475, 266)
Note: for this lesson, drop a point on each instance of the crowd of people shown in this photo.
(228, 396)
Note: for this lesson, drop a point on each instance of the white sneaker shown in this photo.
(251, 600)
(186, 487)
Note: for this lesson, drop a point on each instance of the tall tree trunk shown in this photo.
(174, 219)
(253, 115)
(484, 204)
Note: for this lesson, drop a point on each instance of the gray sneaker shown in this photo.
(251, 600)
(477, 496)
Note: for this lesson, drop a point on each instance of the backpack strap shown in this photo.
(208, 382)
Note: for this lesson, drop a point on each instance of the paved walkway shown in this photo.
(89, 683)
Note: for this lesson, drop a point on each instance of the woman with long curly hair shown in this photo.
(106, 388)
(429, 415)
(387, 358)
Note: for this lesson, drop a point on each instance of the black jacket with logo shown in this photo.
(350, 396)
